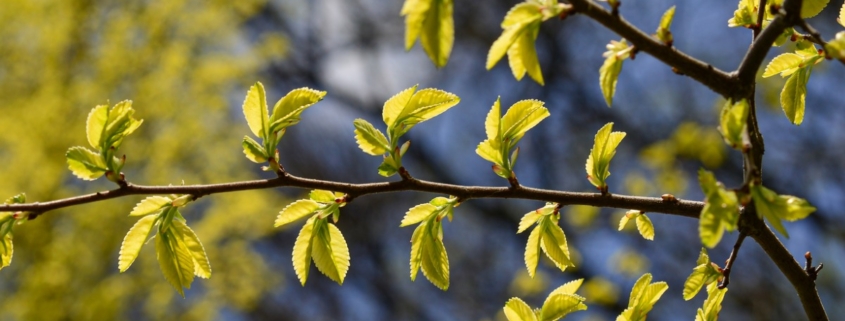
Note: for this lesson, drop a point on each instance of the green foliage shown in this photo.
(431, 21)
(713, 304)
(7, 223)
(427, 249)
(836, 47)
(703, 274)
(720, 212)
(798, 67)
(776, 207)
(401, 113)
(181, 255)
(521, 27)
(560, 302)
(106, 128)
(644, 225)
(733, 124)
(811, 8)
(546, 236)
(617, 52)
(644, 295)
(503, 134)
(745, 14)
(271, 127)
(663, 32)
(318, 239)
(604, 148)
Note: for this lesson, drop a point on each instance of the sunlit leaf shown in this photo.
(529, 219)
(793, 95)
(712, 305)
(430, 20)
(417, 214)
(569, 287)
(255, 110)
(96, 124)
(663, 32)
(776, 207)
(515, 23)
(119, 124)
(811, 8)
(745, 15)
(644, 295)
(558, 306)
(836, 47)
(330, 253)
(175, 262)
(604, 148)
(702, 275)
(416, 249)
(202, 268)
(302, 251)
(645, 227)
(720, 211)
(370, 139)
(296, 211)
(423, 105)
(287, 110)
(435, 263)
(518, 310)
(6, 250)
(396, 104)
(841, 18)
(617, 52)
(522, 56)
(785, 64)
(553, 243)
(733, 123)
(85, 164)
(322, 196)
(521, 117)
(132, 242)
(254, 151)
(150, 205)
(532, 251)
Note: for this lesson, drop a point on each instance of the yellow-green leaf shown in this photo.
(132, 242)
(517, 310)
(529, 219)
(516, 21)
(191, 243)
(558, 306)
(793, 95)
(120, 124)
(435, 263)
(288, 109)
(394, 106)
(521, 117)
(96, 124)
(150, 205)
(492, 123)
(811, 8)
(490, 153)
(568, 287)
(532, 250)
(417, 214)
(255, 110)
(296, 211)
(85, 164)
(702, 275)
(608, 76)
(416, 249)
(329, 251)
(663, 32)
(841, 18)
(423, 105)
(522, 56)
(645, 227)
(775, 207)
(733, 124)
(604, 148)
(6, 250)
(175, 262)
(796, 208)
(745, 14)
(302, 251)
(644, 295)
(254, 151)
(370, 139)
(713, 304)
(720, 211)
(785, 64)
(438, 32)
(553, 243)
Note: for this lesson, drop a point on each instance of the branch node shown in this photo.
(404, 174)
(812, 272)
(726, 272)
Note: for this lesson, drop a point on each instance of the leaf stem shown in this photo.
(731, 259)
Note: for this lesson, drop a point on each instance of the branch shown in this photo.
(717, 80)
(729, 264)
(647, 204)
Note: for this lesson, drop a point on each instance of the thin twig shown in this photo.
(726, 272)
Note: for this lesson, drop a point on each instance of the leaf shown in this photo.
(492, 124)
(713, 304)
(119, 125)
(786, 63)
(604, 149)
(532, 251)
(529, 219)
(394, 106)
(775, 207)
(296, 211)
(255, 110)
(703, 258)
(489, 152)
(558, 306)
(132, 242)
(302, 251)
(793, 95)
(435, 263)
(416, 249)
(322, 196)
(841, 18)
(254, 151)
(6, 251)
(628, 215)
(521, 117)
(85, 164)
(150, 205)
(733, 124)
(517, 310)
(796, 208)
(522, 56)
(744, 15)
(329, 250)
(288, 109)
(438, 32)
(370, 139)
(424, 105)
(191, 243)
(702, 275)
(516, 21)
(417, 214)
(554, 245)
(95, 125)
(645, 227)
(608, 76)
(175, 262)
(720, 211)
(663, 32)
(811, 8)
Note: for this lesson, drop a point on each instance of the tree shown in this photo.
(181, 254)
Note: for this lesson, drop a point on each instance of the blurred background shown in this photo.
(188, 64)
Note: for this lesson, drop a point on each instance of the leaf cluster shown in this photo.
(546, 236)
(644, 295)
(427, 249)
(106, 128)
(7, 223)
(558, 304)
(504, 133)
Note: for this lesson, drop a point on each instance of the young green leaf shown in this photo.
(532, 251)
(793, 95)
(521, 117)
(775, 207)
(302, 250)
(604, 148)
(811, 8)
(296, 211)
(323, 196)
(133, 241)
(529, 219)
(6, 250)
(617, 52)
(288, 109)
(704, 273)
(733, 125)
(118, 125)
(85, 164)
(663, 32)
(558, 306)
(435, 262)
(645, 227)
(720, 212)
(644, 295)
(417, 214)
(745, 15)
(150, 205)
(416, 249)
(836, 47)
(255, 110)
(553, 243)
(784, 64)
(174, 260)
(503, 134)
(254, 151)
(521, 27)
(430, 20)
(191, 243)
(370, 139)
(517, 310)
(423, 105)
(713, 304)
(841, 18)
(95, 125)
(329, 251)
